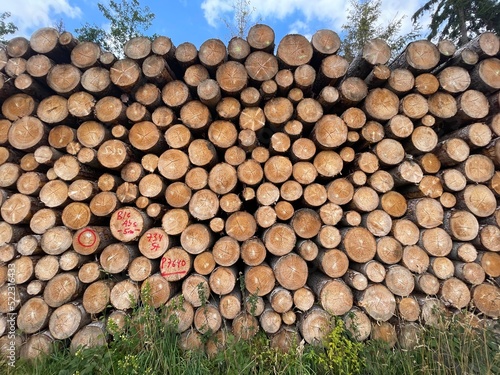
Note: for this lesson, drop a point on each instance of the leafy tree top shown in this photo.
(460, 20)
(6, 28)
(127, 19)
(363, 25)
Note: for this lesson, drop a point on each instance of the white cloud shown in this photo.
(325, 10)
(331, 13)
(29, 15)
(213, 10)
(391, 9)
(302, 28)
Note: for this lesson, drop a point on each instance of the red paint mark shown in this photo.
(164, 274)
(173, 263)
(154, 237)
(122, 215)
(89, 239)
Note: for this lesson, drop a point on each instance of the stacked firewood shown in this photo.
(246, 187)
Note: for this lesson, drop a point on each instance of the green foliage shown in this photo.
(147, 345)
(6, 28)
(363, 25)
(127, 20)
(341, 355)
(460, 20)
(454, 346)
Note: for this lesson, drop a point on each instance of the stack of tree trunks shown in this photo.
(254, 186)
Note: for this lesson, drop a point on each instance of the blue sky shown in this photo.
(196, 21)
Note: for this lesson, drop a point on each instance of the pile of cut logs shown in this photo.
(246, 187)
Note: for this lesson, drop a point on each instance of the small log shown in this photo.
(270, 320)
(331, 70)
(483, 77)
(378, 302)
(294, 50)
(149, 96)
(222, 280)
(61, 289)
(156, 291)
(381, 181)
(332, 262)
(329, 132)
(175, 220)
(204, 204)
(378, 222)
(36, 345)
(471, 273)
(253, 251)
(477, 168)
(232, 77)
(124, 295)
(117, 257)
(485, 298)
(157, 70)
(179, 313)
(358, 243)
(478, 199)
(238, 49)
(196, 178)
(29, 245)
(128, 223)
(19, 208)
(487, 238)
(11, 172)
(141, 268)
(15, 66)
(384, 332)
(96, 296)
(400, 81)
(355, 280)
(419, 56)
(455, 293)
(245, 326)
(92, 335)
(196, 238)
(195, 289)
(261, 66)
(241, 226)
(226, 252)
(90, 272)
(204, 263)
(373, 107)
(259, 280)
(67, 319)
(28, 133)
(290, 271)
(207, 318)
(125, 74)
(427, 284)
(314, 324)
(47, 267)
(374, 52)
(399, 280)
(441, 267)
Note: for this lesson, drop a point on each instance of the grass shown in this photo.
(458, 345)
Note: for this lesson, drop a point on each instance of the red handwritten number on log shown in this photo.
(172, 263)
(129, 226)
(122, 215)
(154, 238)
